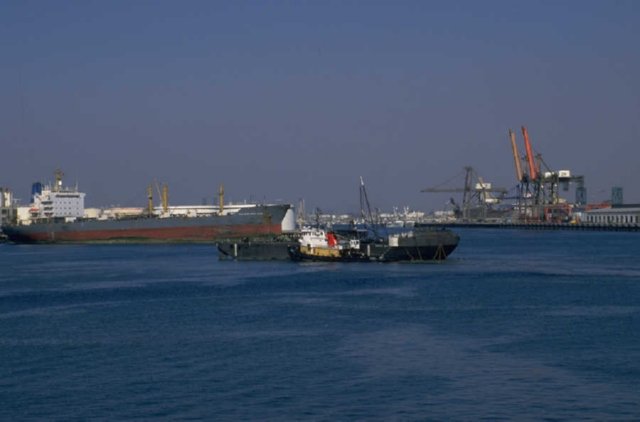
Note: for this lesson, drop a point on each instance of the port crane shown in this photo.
(538, 191)
(476, 197)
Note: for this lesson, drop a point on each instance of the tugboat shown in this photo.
(316, 244)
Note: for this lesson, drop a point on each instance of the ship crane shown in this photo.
(476, 196)
(221, 199)
(300, 213)
(163, 193)
(365, 210)
(150, 206)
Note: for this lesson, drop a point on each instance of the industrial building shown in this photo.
(616, 215)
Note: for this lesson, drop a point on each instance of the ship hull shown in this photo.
(302, 253)
(424, 245)
(249, 222)
(256, 249)
(414, 253)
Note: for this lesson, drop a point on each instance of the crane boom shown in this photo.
(469, 175)
(516, 156)
(443, 190)
(483, 189)
(533, 170)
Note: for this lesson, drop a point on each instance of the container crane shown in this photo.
(529, 181)
(539, 191)
(476, 196)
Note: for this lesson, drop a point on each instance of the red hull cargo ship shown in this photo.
(57, 215)
(258, 220)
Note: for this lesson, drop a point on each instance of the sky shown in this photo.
(287, 100)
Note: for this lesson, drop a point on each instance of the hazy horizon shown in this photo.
(286, 100)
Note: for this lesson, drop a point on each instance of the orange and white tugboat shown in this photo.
(317, 244)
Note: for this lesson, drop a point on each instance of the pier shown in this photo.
(539, 226)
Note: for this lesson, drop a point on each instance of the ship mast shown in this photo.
(58, 185)
(150, 200)
(221, 198)
(165, 198)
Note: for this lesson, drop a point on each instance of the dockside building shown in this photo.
(616, 215)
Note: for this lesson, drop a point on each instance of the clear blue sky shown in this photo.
(281, 100)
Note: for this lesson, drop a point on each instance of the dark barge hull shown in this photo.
(426, 244)
(256, 249)
(414, 253)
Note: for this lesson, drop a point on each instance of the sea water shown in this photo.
(516, 325)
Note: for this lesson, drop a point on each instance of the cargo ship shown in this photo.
(258, 220)
(57, 215)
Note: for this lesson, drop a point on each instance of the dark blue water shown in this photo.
(515, 326)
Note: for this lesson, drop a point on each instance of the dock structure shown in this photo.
(540, 226)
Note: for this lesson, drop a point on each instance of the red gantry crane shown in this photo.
(538, 197)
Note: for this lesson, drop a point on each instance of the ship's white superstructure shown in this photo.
(55, 201)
